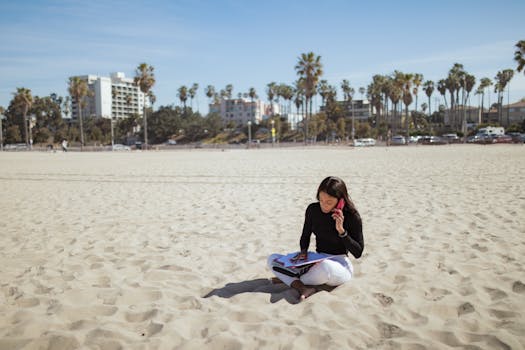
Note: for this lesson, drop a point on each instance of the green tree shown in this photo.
(417, 80)
(182, 94)
(519, 55)
(145, 80)
(229, 91)
(253, 95)
(193, 92)
(483, 85)
(348, 95)
(24, 100)
(428, 87)
(271, 91)
(502, 80)
(395, 95)
(210, 92)
(12, 134)
(78, 89)
(309, 69)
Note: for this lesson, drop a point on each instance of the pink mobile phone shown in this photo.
(340, 205)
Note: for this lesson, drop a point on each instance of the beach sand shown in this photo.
(167, 250)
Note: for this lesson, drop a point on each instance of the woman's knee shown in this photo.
(339, 274)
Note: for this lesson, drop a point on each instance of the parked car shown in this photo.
(120, 147)
(414, 139)
(366, 142)
(481, 139)
(451, 138)
(398, 140)
(502, 139)
(171, 142)
(517, 137)
(432, 140)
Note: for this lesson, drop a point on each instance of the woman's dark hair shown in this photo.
(336, 187)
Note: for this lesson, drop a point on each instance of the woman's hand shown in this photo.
(337, 215)
(300, 256)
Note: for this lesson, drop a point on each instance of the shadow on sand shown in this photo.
(262, 285)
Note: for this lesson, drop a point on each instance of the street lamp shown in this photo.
(32, 118)
(1, 133)
(273, 132)
(112, 134)
(249, 133)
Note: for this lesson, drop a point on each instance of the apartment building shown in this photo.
(360, 109)
(241, 110)
(114, 96)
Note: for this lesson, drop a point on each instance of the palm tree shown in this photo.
(229, 91)
(348, 94)
(287, 93)
(362, 91)
(323, 89)
(78, 89)
(152, 98)
(417, 81)
(395, 94)
(253, 95)
(428, 87)
(271, 92)
(470, 81)
(483, 84)
(519, 55)
(310, 69)
(375, 92)
(182, 94)
(407, 80)
(503, 78)
(442, 88)
(145, 79)
(24, 99)
(210, 92)
(193, 92)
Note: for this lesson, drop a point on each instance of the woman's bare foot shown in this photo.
(303, 290)
(275, 280)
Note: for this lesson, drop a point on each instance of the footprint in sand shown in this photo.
(388, 330)
(465, 308)
(385, 300)
(481, 248)
(495, 294)
(518, 287)
(436, 294)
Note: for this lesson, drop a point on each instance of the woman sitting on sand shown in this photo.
(337, 232)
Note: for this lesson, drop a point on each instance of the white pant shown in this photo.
(332, 272)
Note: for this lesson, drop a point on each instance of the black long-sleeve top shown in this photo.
(327, 238)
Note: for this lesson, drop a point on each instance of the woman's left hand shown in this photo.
(337, 215)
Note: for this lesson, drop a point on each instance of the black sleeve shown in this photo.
(304, 242)
(354, 242)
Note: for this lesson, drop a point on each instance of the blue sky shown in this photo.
(252, 43)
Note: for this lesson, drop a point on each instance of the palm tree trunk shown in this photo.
(482, 102)
(81, 129)
(26, 134)
(145, 127)
(407, 121)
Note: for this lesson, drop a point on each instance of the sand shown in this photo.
(167, 250)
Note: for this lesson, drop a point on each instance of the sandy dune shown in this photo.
(167, 250)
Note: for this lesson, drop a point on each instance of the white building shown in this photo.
(240, 110)
(115, 96)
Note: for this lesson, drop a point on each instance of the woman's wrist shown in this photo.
(343, 234)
